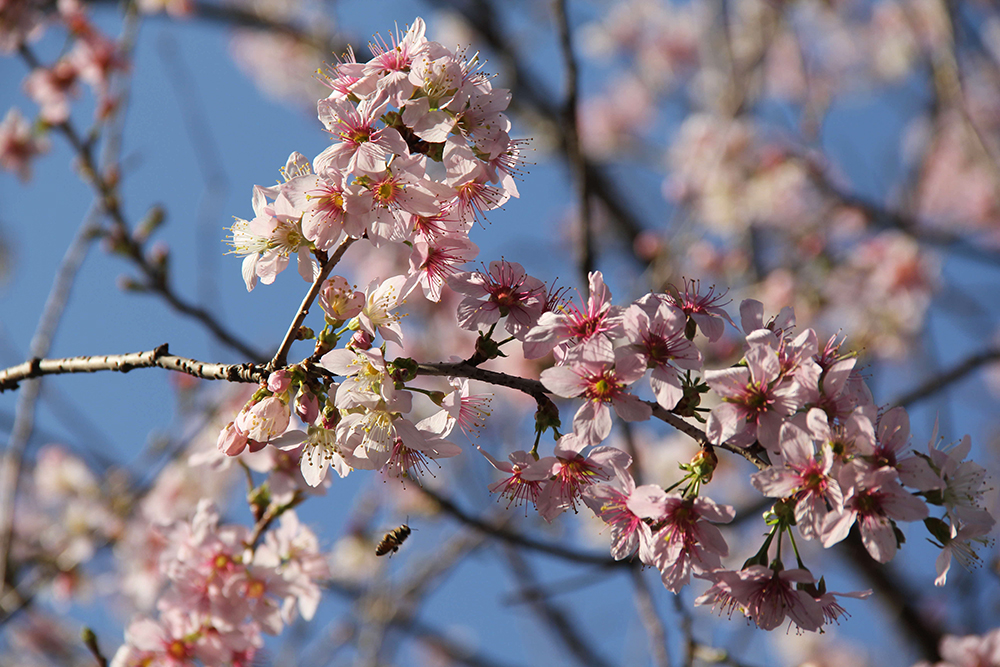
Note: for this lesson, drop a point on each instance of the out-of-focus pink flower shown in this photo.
(19, 145)
(51, 88)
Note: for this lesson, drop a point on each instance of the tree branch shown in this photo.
(123, 363)
(510, 537)
(537, 390)
(125, 244)
(939, 382)
(650, 619)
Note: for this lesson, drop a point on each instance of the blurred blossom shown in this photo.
(959, 187)
(282, 66)
(19, 144)
(661, 37)
(615, 122)
(20, 21)
(882, 292)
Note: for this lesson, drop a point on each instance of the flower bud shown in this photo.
(361, 340)
(307, 406)
(279, 381)
(232, 440)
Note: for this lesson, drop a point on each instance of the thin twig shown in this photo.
(530, 92)
(537, 390)
(650, 619)
(125, 244)
(498, 532)
(571, 142)
(90, 641)
(326, 265)
(902, 603)
(414, 626)
(555, 618)
(24, 416)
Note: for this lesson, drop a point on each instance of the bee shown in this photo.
(392, 540)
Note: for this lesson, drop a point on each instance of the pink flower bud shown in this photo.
(232, 440)
(307, 407)
(278, 381)
(361, 340)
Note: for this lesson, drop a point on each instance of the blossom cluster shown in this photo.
(420, 150)
(92, 58)
(828, 455)
(224, 591)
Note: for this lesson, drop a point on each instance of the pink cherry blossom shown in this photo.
(414, 448)
(515, 487)
(366, 378)
(971, 650)
(381, 298)
(18, 144)
(325, 219)
(600, 376)
(874, 499)
(571, 473)
(264, 420)
(655, 328)
(961, 544)
(610, 503)
(468, 410)
(704, 309)
(437, 261)
(470, 180)
(269, 238)
(766, 596)
(339, 300)
(962, 483)
(806, 477)
(755, 402)
(684, 539)
(363, 147)
(570, 325)
(51, 88)
(509, 292)
(390, 66)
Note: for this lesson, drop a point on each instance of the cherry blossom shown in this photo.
(601, 376)
(571, 472)
(807, 477)
(755, 399)
(766, 596)
(655, 328)
(570, 325)
(509, 292)
(874, 499)
(515, 487)
(610, 503)
(18, 144)
(684, 537)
